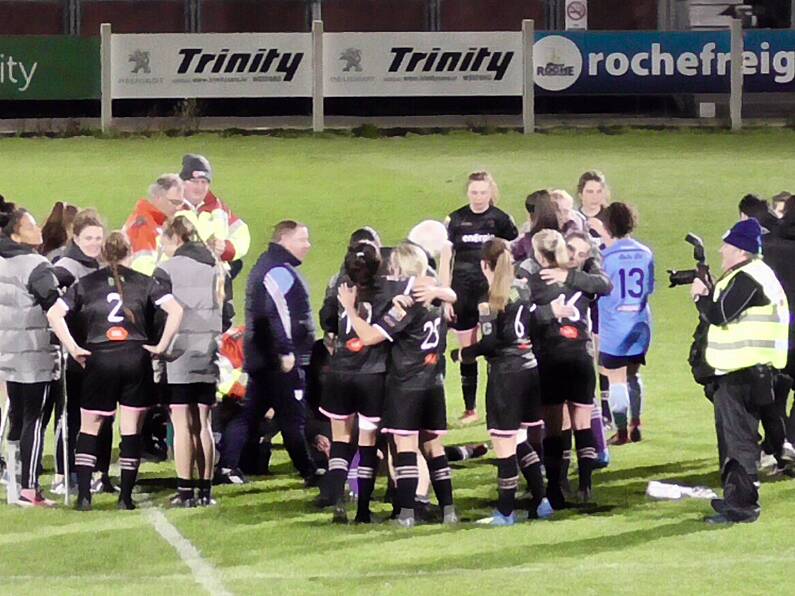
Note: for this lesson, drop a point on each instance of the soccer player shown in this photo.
(196, 279)
(414, 411)
(513, 399)
(27, 357)
(111, 305)
(468, 229)
(79, 259)
(565, 354)
(354, 383)
(625, 319)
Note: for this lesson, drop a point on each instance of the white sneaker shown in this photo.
(788, 452)
(58, 487)
(766, 461)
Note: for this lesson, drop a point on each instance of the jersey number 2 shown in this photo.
(114, 316)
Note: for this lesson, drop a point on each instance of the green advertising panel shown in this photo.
(49, 67)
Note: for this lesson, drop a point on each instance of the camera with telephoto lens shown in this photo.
(685, 277)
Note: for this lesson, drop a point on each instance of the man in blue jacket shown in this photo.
(277, 346)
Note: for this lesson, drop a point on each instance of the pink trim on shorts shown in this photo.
(373, 419)
(534, 423)
(178, 405)
(99, 412)
(503, 433)
(402, 433)
(136, 408)
(336, 416)
(579, 405)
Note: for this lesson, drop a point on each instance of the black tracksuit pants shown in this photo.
(28, 415)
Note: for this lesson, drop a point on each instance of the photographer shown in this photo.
(746, 341)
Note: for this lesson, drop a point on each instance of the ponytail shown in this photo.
(114, 250)
(497, 255)
(184, 228)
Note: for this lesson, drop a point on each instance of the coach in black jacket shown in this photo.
(277, 346)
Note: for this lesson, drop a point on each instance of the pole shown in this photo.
(106, 97)
(318, 115)
(528, 84)
(736, 89)
(65, 427)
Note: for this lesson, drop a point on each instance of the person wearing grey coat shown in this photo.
(28, 288)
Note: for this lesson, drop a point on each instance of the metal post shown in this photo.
(106, 97)
(528, 81)
(736, 90)
(317, 76)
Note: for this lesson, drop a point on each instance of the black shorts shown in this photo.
(611, 362)
(185, 394)
(594, 313)
(346, 394)
(513, 400)
(572, 380)
(470, 291)
(408, 411)
(117, 374)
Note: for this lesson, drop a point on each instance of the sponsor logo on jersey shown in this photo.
(116, 334)
(354, 345)
(432, 359)
(569, 332)
(476, 238)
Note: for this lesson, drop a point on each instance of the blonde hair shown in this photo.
(560, 197)
(431, 235)
(552, 246)
(408, 260)
(496, 253)
(484, 176)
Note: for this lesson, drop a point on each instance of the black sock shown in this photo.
(105, 445)
(205, 488)
(469, 384)
(129, 460)
(407, 477)
(368, 465)
(507, 481)
(530, 466)
(553, 458)
(586, 456)
(185, 488)
(338, 463)
(85, 462)
(442, 480)
(566, 460)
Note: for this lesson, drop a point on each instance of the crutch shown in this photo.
(65, 428)
(12, 488)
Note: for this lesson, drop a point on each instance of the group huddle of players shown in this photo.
(527, 305)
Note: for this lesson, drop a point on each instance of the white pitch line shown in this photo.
(204, 573)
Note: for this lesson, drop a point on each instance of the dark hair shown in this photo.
(285, 227)
(781, 197)
(590, 176)
(545, 216)
(365, 234)
(184, 229)
(789, 207)
(11, 221)
(85, 219)
(114, 250)
(752, 206)
(531, 201)
(620, 219)
(362, 263)
(55, 231)
(6, 209)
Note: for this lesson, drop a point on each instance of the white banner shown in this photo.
(411, 64)
(576, 15)
(211, 65)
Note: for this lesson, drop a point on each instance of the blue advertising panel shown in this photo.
(646, 62)
(769, 60)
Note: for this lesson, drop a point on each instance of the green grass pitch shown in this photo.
(267, 538)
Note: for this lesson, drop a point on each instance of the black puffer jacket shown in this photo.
(778, 251)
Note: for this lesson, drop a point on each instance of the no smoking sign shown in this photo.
(576, 14)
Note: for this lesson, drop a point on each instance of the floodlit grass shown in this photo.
(266, 536)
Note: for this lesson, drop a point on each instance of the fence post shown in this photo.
(318, 115)
(736, 90)
(528, 88)
(106, 97)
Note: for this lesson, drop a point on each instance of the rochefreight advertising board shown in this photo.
(49, 67)
(412, 64)
(211, 65)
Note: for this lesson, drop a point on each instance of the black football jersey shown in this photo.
(418, 342)
(350, 354)
(104, 315)
(557, 338)
(468, 231)
(506, 339)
